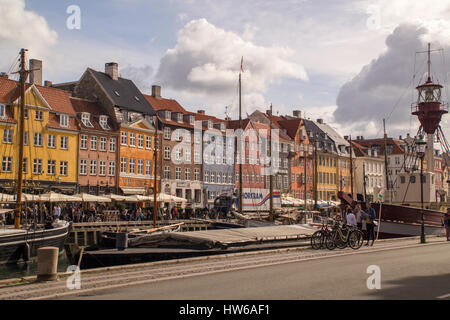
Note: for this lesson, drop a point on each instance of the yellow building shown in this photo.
(50, 139)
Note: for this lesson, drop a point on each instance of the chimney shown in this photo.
(156, 92)
(112, 70)
(48, 83)
(297, 114)
(36, 73)
(320, 121)
(4, 75)
(201, 111)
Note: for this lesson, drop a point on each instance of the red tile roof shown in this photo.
(54, 123)
(164, 104)
(7, 88)
(59, 100)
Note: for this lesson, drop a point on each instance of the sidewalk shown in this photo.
(114, 277)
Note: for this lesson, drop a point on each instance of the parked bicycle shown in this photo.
(343, 236)
(318, 238)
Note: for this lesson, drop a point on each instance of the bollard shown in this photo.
(121, 240)
(47, 260)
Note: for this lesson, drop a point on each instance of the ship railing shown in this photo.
(415, 107)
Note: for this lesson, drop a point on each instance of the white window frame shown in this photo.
(51, 167)
(148, 142)
(37, 164)
(64, 120)
(148, 167)
(103, 144)
(140, 166)
(102, 168)
(132, 141)
(8, 135)
(140, 141)
(103, 120)
(93, 143)
(51, 143)
(112, 144)
(123, 164)
(39, 140)
(124, 136)
(112, 168)
(93, 168)
(64, 143)
(84, 140)
(63, 168)
(132, 166)
(86, 119)
(196, 174)
(167, 133)
(83, 167)
(6, 164)
(177, 173)
(39, 115)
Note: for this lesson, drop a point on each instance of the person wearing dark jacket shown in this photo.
(370, 223)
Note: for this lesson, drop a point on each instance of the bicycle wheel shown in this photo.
(317, 240)
(340, 243)
(330, 240)
(355, 239)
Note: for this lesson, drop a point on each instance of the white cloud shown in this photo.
(207, 59)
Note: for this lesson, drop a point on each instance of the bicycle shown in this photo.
(343, 236)
(318, 237)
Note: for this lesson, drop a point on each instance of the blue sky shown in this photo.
(298, 54)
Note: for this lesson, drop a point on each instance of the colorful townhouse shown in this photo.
(218, 158)
(50, 137)
(129, 112)
(98, 146)
(181, 162)
(301, 162)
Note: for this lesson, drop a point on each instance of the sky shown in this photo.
(350, 62)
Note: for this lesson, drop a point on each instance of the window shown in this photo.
(166, 172)
(7, 164)
(167, 115)
(51, 167)
(123, 138)
(140, 166)
(196, 174)
(102, 168)
(102, 144)
(148, 167)
(178, 155)
(25, 138)
(83, 141)
(64, 143)
(197, 137)
(112, 168)
(8, 135)
(37, 166)
(3, 111)
(25, 165)
(38, 139)
(51, 141)
(25, 113)
(112, 144)
(64, 120)
(148, 142)
(167, 153)
(86, 119)
(140, 141)
(104, 122)
(213, 177)
(178, 134)
(93, 168)
(39, 115)
(123, 165)
(178, 173)
(83, 166)
(132, 139)
(187, 174)
(196, 156)
(93, 143)
(63, 168)
(187, 155)
(132, 165)
(206, 176)
(167, 133)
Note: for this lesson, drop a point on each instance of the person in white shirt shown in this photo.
(359, 215)
(351, 219)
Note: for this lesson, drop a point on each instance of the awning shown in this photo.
(127, 190)
(85, 197)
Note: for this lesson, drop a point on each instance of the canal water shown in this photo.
(29, 269)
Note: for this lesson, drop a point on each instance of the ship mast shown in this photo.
(386, 163)
(271, 166)
(240, 127)
(155, 160)
(23, 77)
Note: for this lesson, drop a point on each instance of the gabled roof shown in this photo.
(123, 92)
(59, 100)
(164, 104)
(95, 110)
(396, 148)
(291, 126)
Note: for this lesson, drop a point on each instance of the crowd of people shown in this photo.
(357, 217)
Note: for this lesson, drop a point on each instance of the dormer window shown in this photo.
(168, 115)
(222, 126)
(86, 119)
(180, 117)
(191, 119)
(104, 122)
(64, 120)
(210, 124)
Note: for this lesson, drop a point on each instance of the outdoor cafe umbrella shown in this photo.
(57, 197)
(86, 197)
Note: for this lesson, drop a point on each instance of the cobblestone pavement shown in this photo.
(114, 277)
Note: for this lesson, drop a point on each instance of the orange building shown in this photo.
(136, 157)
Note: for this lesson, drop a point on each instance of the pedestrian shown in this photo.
(351, 219)
(446, 223)
(358, 215)
(370, 223)
(56, 212)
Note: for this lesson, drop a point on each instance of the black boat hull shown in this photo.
(17, 248)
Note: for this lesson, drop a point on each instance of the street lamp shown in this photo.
(421, 147)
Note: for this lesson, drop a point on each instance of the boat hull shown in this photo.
(13, 245)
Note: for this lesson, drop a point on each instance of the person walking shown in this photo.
(358, 216)
(370, 223)
(446, 223)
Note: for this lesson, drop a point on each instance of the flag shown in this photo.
(242, 64)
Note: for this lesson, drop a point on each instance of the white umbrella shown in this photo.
(86, 197)
(115, 197)
(57, 197)
(177, 199)
(6, 197)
